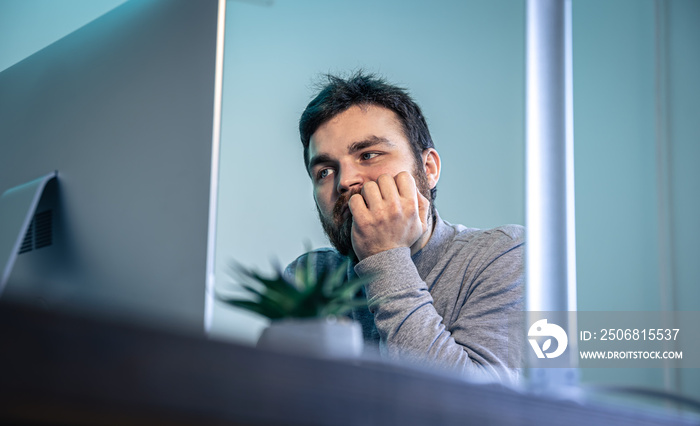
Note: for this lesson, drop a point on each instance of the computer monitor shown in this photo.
(126, 109)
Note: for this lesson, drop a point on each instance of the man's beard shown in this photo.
(339, 229)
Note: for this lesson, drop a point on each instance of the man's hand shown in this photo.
(389, 213)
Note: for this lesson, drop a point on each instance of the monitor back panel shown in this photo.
(123, 109)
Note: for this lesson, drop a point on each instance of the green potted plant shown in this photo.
(307, 311)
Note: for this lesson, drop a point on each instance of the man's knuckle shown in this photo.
(405, 176)
(394, 212)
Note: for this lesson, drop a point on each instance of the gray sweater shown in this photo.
(454, 304)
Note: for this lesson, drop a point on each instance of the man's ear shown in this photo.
(431, 166)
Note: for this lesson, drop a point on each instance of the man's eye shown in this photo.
(369, 155)
(323, 173)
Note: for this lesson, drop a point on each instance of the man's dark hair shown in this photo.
(361, 89)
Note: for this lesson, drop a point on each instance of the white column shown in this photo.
(551, 255)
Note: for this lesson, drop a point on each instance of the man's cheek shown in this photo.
(320, 205)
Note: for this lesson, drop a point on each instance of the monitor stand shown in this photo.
(17, 208)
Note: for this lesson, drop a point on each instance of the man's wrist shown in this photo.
(393, 270)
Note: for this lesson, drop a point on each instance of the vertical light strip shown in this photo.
(662, 154)
(534, 199)
(214, 182)
(570, 187)
(551, 243)
(551, 266)
(672, 377)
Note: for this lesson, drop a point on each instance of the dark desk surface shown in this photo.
(60, 369)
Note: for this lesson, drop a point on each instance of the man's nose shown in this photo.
(349, 178)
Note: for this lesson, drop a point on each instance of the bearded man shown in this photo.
(442, 294)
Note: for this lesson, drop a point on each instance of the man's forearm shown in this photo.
(411, 328)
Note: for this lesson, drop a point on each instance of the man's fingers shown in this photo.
(370, 192)
(357, 205)
(388, 188)
(388, 213)
(405, 184)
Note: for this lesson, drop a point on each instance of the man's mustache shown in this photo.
(342, 202)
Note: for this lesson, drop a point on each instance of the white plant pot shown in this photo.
(318, 337)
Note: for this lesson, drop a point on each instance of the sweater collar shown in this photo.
(427, 257)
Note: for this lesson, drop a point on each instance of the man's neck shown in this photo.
(423, 240)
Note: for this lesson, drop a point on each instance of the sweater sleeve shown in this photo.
(477, 340)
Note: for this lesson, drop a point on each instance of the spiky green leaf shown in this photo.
(255, 307)
(271, 299)
(342, 308)
(316, 292)
(335, 278)
(349, 289)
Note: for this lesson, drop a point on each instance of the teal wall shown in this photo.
(616, 197)
(616, 221)
(637, 141)
(27, 26)
(636, 194)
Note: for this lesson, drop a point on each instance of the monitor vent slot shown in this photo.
(40, 232)
(28, 242)
(43, 229)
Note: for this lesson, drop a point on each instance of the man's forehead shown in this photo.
(359, 124)
(366, 113)
(366, 142)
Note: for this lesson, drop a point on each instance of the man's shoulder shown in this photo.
(495, 240)
(492, 259)
(322, 258)
(505, 234)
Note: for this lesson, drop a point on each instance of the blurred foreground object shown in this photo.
(306, 310)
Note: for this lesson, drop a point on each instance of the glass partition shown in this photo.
(635, 68)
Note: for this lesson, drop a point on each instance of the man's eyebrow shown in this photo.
(319, 159)
(369, 142)
(353, 148)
